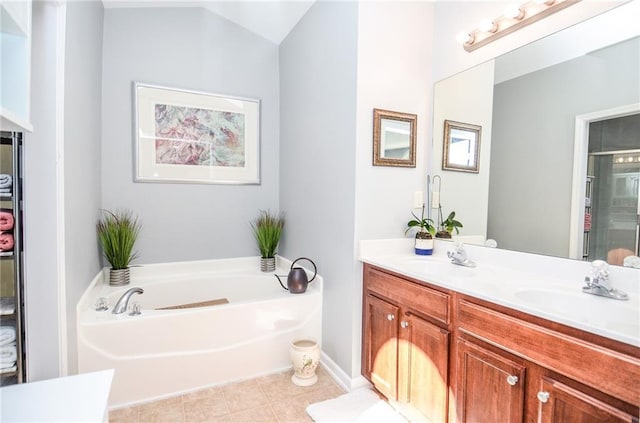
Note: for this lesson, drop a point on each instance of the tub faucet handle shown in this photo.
(101, 304)
(135, 309)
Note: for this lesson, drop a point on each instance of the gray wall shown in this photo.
(82, 123)
(40, 200)
(193, 49)
(533, 138)
(317, 159)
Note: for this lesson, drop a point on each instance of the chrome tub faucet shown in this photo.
(599, 284)
(123, 302)
(458, 256)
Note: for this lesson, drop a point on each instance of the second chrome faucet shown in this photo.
(459, 256)
(123, 302)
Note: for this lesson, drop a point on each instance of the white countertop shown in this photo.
(546, 287)
(80, 398)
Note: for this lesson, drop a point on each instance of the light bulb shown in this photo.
(464, 38)
(513, 12)
(487, 26)
(630, 159)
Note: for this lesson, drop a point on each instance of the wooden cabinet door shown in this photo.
(423, 381)
(381, 345)
(561, 403)
(490, 387)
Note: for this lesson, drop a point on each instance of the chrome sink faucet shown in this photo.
(123, 302)
(458, 256)
(599, 284)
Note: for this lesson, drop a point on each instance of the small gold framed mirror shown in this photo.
(394, 138)
(461, 150)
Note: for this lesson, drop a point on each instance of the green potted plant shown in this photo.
(267, 229)
(117, 232)
(448, 226)
(424, 236)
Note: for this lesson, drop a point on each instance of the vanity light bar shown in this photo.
(514, 18)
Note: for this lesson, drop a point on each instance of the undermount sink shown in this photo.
(587, 308)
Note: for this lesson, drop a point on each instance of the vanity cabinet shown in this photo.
(406, 347)
(491, 387)
(453, 357)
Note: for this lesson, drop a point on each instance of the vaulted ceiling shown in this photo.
(272, 20)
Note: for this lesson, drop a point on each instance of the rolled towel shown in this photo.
(6, 220)
(5, 180)
(8, 355)
(7, 335)
(6, 241)
(5, 189)
(631, 261)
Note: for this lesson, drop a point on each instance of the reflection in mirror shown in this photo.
(533, 99)
(461, 148)
(394, 138)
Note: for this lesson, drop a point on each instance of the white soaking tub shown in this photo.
(162, 353)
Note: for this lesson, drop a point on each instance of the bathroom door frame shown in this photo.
(579, 182)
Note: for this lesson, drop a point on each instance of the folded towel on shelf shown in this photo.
(5, 190)
(8, 355)
(6, 220)
(5, 180)
(6, 241)
(7, 305)
(7, 335)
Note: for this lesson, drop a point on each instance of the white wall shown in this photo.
(466, 97)
(317, 155)
(394, 73)
(82, 124)
(188, 48)
(42, 258)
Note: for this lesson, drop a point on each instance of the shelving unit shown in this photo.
(11, 275)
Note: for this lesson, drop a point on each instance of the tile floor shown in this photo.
(271, 398)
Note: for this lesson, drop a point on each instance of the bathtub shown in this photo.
(163, 353)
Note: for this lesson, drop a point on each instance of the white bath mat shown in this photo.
(361, 405)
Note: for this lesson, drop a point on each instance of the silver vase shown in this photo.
(119, 277)
(267, 264)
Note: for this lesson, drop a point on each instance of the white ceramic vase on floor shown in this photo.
(305, 357)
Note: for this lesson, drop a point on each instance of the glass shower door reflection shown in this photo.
(614, 206)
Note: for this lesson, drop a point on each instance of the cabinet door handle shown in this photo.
(390, 316)
(404, 324)
(512, 380)
(543, 396)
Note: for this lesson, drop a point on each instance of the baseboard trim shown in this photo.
(347, 383)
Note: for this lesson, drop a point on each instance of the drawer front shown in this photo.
(424, 300)
(611, 372)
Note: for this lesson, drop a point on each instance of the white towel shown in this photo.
(631, 261)
(8, 356)
(7, 335)
(5, 180)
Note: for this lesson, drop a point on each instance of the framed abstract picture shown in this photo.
(195, 137)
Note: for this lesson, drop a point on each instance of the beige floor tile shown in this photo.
(291, 410)
(125, 415)
(254, 415)
(204, 409)
(243, 396)
(168, 410)
(203, 393)
(323, 394)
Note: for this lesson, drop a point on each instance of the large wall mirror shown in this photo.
(560, 163)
